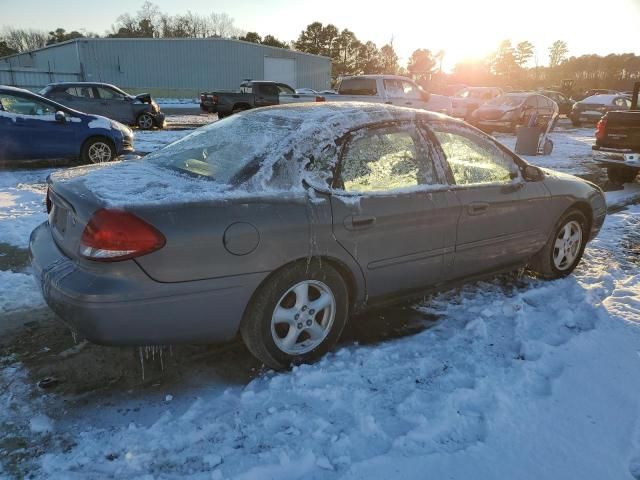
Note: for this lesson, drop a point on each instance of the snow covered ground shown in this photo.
(516, 378)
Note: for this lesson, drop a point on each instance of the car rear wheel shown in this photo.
(98, 150)
(565, 247)
(621, 175)
(297, 316)
(575, 123)
(145, 121)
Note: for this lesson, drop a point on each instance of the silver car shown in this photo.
(109, 101)
(279, 223)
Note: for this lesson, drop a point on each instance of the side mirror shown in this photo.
(60, 116)
(532, 174)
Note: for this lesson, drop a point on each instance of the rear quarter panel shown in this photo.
(203, 238)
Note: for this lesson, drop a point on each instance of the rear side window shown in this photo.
(80, 92)
(358, 86)
(269, 89)
(622, 102)
(472, 158)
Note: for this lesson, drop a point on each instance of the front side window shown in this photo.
(622, 102)
(384, 160)
(474, 159)
(410, 90)
(24, 106)
(108, 94)
(285, 89)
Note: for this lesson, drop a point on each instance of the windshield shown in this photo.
(230, 151)
(507, 101)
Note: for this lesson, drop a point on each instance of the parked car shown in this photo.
(389, 89)
(467, 100)
(591, 109)
(565, 104)
(595, 91)
(252, 94)
(507, 111)
(35, 128)
(314, 212)
(109, 101)
(618, 142)
(306, 91)
(327, 92)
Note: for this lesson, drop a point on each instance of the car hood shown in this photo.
(144, 98)
(492, 112)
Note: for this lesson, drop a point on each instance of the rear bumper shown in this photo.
(114, 304)
(618, 156)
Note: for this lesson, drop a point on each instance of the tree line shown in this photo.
(509, 65)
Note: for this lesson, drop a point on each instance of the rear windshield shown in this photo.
(507, 101)
(230, 151)
(358, 86)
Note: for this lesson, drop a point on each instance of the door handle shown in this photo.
(477, 208)
(356, 222)
(408, 103)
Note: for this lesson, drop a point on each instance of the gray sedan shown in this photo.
(279, 223)
(109, 101)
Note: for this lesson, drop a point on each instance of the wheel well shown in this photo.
(339, 266)
(585, 208)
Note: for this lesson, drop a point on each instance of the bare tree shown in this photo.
(23, 40)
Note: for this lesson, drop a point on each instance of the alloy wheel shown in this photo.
(303, 317)
(145, 121)
(100, 152)
(567, 245)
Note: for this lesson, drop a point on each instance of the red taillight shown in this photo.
(113, 235)
(601, 128)
(48, 201)
(320, 99)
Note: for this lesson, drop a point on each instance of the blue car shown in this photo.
(33, 128)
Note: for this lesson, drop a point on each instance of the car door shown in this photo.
(34, 132)
(394, 89)
(116, 105)
(391, 209)
(502, 221)
(83, 98)
(266, 94)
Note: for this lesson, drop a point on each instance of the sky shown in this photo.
(463, 28)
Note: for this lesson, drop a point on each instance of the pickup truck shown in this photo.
(618, 142)
(391, 89)
(252, 94)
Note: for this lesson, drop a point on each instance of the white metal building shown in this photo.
(164, 67)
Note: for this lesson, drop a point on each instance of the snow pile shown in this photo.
(520, 378)
(22, 205)
(18, 291)
(619, 198)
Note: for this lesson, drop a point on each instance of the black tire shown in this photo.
(90, 152)
(258, 332)
(575, 123)
(621, 175)
(145, 121)
(543, 264)
(222, 115)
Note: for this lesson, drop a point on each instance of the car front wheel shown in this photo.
(297, 316)
(145, 121)
(97, 150)
(565, 247)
